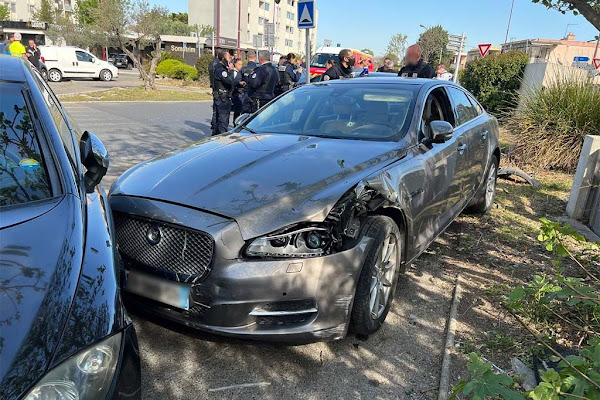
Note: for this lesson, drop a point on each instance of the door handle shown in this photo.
(461, 148)
(484, 135)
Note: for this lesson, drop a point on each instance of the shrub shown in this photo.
(495, 79)
(177, 70)
(551, 123)
(202, 64)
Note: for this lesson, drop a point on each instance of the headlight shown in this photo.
(311, 241)
(87, 375)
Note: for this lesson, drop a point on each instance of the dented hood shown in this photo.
(263, 181)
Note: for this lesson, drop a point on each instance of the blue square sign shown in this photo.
(306, 14)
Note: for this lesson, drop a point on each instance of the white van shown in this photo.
(73, 62)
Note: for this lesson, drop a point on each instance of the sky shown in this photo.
(370, 24)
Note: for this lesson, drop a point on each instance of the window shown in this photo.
(289, 43)
(359, 112)
(437, 108)
(266, 6)
(261, 21)
(23, 174)
(464, 109)
(83, 56)
(13, 7)
(476, 105)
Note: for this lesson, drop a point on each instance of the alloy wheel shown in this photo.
(490, 186)
(383, 278)
(54, 76)
(106, 76)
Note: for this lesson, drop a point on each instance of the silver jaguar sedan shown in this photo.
(296, 225)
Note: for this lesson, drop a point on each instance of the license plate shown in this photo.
(167, 292)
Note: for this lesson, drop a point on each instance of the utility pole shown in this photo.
(239, 51)
(512, 6)
(458, 57)
(597, 46)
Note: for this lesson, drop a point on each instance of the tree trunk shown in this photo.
(154, 63)
(588, 11)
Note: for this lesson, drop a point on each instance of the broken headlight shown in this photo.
(312, 241)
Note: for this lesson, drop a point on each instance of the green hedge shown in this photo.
(494, 80)
(177, 70)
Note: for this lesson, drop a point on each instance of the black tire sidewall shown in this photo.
(480, 207)
(361, 321)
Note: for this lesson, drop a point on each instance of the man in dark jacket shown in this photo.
(262, 82)
(287, 76)
(341, 69)
(33, 54)
(415, 66)
(222, 90)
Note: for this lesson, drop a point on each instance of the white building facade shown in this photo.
(236, 22)
(22, 10)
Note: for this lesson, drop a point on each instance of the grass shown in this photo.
(139, 94)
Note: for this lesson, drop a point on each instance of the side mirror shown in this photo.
(441, 131)
(94, 158)
(93, 60)
(241, 119)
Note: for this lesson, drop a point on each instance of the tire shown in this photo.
(44, 74)
(129, 66)
(370, 309)
(484, 199)
(54, 75)
(106, 75)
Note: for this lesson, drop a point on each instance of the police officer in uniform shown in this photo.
(341, 69)
(222, 89)
(263, 80)
(415, 66)
(246, 74)
(287, 76)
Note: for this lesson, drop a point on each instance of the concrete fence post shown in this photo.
(585, 193)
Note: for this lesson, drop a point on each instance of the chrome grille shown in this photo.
(180, 250)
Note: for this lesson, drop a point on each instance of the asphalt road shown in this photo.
(126, 79)
(401, 361)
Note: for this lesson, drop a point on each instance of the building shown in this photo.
(474, 54)
(237, 22)
(21, 19)
(566, 51)
(22, 10)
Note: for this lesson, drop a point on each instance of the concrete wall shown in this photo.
(541, 75)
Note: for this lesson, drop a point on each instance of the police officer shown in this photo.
(262, 82)
(341, 69)
(287, 76)
(211, 76)
(246, 74)
(415, 66)
(239, 89)
(222, 89)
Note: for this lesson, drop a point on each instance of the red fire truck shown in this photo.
(317, 64)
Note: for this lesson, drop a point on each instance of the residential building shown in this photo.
(236, 22)
(22, 10)
(21, 19)
(557, 51)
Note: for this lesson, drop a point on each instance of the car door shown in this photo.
(86, 64)
(480, 146)
(468, 134)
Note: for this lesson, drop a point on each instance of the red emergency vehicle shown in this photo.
(317, 64)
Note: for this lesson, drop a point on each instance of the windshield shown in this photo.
(320, 60)
(356, 111)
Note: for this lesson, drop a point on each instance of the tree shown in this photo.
(46, 12)
(4, 12)
(396, 47)
(433, 44)
(368, 51)
(590, 9)
(86, 10)
(181, 17)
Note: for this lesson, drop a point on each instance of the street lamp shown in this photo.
(567, 30)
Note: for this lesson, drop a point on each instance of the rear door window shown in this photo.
(23, 173)
(463, 107)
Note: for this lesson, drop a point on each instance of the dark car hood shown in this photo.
(40, 262)
(264, 181)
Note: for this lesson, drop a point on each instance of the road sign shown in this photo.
(581, 59)
(306, 14)
(454, 42)
(257, 41)
(269, 28)
(484, 48)
(597, 63)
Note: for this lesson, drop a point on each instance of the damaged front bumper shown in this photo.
(292, 300)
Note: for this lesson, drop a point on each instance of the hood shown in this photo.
(40, 262)
(263, 181)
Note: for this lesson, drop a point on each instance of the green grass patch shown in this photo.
(139, 94)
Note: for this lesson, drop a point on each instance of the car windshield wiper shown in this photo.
(252, 131)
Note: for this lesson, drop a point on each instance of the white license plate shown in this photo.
(167, 292)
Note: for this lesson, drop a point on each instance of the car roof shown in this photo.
(387, 78)
(12, 69)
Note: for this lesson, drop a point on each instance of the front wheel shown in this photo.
(484, 199)
(129, 66)
(378, 278)
(106, 75)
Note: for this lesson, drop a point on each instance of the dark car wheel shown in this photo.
(106, 75)
(379, 276)
(129, 66)
(44, 74)
(484, 199)
(54, 75)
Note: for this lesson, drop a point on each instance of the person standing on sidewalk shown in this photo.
(262, 82)
(341, 69)
(239, 89)
(16, 48)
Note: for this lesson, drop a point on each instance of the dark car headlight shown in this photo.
(87, 375)
(309, 241)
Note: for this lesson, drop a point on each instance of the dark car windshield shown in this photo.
(349, 111)
(23, 174)
(320, 60)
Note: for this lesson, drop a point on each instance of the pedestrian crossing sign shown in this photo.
(306, 14)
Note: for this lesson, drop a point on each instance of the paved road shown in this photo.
(126, 79)
(178, 363)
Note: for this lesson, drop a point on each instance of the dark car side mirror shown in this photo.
(241, 119)
(94, 158)
(441, 131)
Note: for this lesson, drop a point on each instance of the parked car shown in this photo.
(73, 62)
(65, 333)
(121, 61)
(298, 223)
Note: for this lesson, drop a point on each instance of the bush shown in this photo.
(494, 80)
(202, 64)
(551, 123)
(177, 70)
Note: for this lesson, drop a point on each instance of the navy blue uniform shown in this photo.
(262, 85)
(222, 89)
(287, 78)
(246, 74)
(239, 94)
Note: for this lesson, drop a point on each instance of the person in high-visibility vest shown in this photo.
(16, 48)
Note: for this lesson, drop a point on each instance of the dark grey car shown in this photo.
(297, 223)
